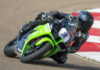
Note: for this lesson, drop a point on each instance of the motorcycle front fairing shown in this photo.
(20, 43)
(39, 31)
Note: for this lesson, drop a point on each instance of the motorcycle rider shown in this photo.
(84, 21)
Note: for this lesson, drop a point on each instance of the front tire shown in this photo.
(37, 54)
(9, 48)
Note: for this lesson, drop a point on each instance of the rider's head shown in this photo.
(86, 20)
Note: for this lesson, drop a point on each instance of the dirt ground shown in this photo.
(15, 13)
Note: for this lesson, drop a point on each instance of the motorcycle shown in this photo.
(40, 42)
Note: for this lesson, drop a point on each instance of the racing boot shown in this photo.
(73, 49)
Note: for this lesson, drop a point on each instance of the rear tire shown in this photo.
(37, 54)
(60, 57)
(9, 49)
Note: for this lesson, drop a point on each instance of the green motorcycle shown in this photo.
(40, 42)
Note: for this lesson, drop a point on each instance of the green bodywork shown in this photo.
(40, 31)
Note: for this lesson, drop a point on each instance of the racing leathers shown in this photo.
(43, 18)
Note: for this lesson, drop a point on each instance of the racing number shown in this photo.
(64, 34)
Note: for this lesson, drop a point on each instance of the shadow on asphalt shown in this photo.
(70, 66)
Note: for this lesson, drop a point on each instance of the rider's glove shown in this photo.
(24, 29)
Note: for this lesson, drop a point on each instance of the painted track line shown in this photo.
(94, 39)
(95, 56)
(94, 32)
(90, 47)
(96, 24)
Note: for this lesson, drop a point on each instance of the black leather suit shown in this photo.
(79, 38)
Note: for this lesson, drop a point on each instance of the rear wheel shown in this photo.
(37, 54)
(9, 48)
(60, 57)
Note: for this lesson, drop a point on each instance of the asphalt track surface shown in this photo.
(15, 13)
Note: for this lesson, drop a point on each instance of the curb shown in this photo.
(91, 49)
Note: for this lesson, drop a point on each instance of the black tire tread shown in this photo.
(8, 50)
(57, 56)
(37, 54)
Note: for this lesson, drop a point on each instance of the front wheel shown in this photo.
(9, 48)
(37, 54)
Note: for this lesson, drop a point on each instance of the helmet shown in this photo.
(85, 21)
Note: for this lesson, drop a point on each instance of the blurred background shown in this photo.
(15, 13)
